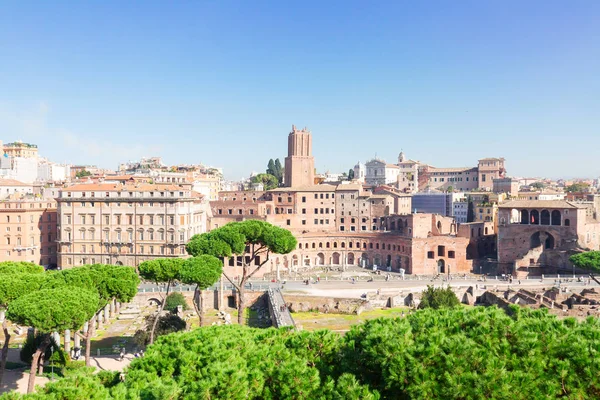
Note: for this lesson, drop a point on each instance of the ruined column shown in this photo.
(77, 340)
(117, 307)
(67, 345)
(105, 312)
(99, 320)
(220, 299)
(111, 309)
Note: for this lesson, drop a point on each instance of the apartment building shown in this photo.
(126, 224)
(28, 229)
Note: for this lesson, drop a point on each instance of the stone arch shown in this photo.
(350, 258)
(377, 260)
(154, 301)
(320, 259)
(441, 266)
(364, 260)
(393, 226)
(388, 261)
(471, 251)
(335, 258)
(535, 217)
(439, 226)
(524, 217)
(295, 260)
(545, 217)
(556, 217)
(549, 243)
(535, 241)
(567, 222)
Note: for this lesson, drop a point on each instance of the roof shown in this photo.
(458, 169)
(118, 187)
(312, 188)
(491, 159)
(392, 166)
(349, 186)
(12, 182)
(538, 204)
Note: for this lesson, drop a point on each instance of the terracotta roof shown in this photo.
(459, 169)
(538, 204)
(118, 187)
(349, 186)
(314, 188)
(12, 182)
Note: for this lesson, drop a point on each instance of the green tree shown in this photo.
(589, 261)
(174, 300)
(470, 210)
(435, 298)
(252, 241)
(13, 286)
(50, 310)
(350, 174)
(450, 189)
(538, 185)
(202, 271)
(162, 271)
(20, 267)
(83, 173)
(271, 168)
(168, 323)
(269, 181)
(110, 282)
(577, 187)
(279, 171)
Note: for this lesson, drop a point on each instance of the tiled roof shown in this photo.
(538, 204)
(12, 182)
(117, 187)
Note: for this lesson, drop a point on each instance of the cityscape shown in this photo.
(461, 267)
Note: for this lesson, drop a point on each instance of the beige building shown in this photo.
(299, 164)
(28, 230)
(127, 224)
(20, 149)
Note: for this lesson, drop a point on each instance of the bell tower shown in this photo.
(299, 164)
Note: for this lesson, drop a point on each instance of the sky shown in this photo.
(221, 82)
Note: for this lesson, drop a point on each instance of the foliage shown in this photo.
(350, 174)
(13, 286)
(538, 185)
(450, 353)
(275, 169)
(53, 350)
(589, 260)
(50, 310)
(203, 271)
(470, 210)
(20, 267)
(83, 173)
(169, 323)
(269, 181)
(577, 187)
(438, 298)
(161, 270)
(173, 300)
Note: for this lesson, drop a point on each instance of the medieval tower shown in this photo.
(299, 164)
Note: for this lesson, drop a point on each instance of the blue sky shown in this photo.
(222, 82)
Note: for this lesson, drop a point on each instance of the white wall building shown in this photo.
(381, 173)
(19, 168)
(9, 187)
(360, 172)
(52, 172)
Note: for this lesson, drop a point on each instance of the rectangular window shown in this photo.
(304, 199)
(451, 254)
(303, 222)
(430, 255)
(288, 222)
(316, 222)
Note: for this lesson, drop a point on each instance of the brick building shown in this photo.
(28, 229)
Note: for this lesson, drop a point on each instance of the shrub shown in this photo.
(438, 298)
(173, 300)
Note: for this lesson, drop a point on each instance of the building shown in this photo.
(378, 172)
(489, 169)
(537, 236)
(23, 169)
(506, 185)
(299, 164)
(52, 172)
(126, 224)
(360, 172)
(461, 210)
(11, 187)
(28, 230)
(344, 224)
(20, 149)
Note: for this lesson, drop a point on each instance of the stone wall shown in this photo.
(299, 303)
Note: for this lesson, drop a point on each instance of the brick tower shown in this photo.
(299, 164)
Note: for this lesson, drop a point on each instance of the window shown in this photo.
(303, 222)
(304, 199)
(451, 254)
(430, 254)
(288, 222)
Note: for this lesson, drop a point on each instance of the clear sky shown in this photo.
(221, 82)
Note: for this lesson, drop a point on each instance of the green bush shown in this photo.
(169, 323)
(173, 300)
(53, 353)
(438, 298)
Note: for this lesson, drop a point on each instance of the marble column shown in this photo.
(111, 309)
(106, 316)
(77, 340)
(67, 345)
(99, 320)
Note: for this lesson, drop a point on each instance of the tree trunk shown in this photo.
(4, 349)
(88, 339)
(199, 305)
(40, 370)
(241, 303)
(34, 363)
(160, 310)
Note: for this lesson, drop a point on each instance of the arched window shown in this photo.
(556, 218)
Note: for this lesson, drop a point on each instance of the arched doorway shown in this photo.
(524, 217)
(377, 260)
(388, 262)
(320, 259)
(556, 218)
(535, 217)
(294, 260)
(549, 242)
(534, 241)
(545, 217)
(335, 259)
(364, 260)
(441, 265)
(398, 262)
(567, 222)
(350, 258)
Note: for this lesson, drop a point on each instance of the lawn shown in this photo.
(342, 322)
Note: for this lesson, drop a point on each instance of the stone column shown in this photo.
(220, 299)
(86, 326)
(77, 340)
(111, 309)
(2, 316)
(30, 333)
(67, 345)
(117, 307)
(106, 316)
(56, 337)
(99, 319)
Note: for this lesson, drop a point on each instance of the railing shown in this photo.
(280, 314)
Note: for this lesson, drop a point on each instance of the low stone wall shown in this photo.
(299, 303)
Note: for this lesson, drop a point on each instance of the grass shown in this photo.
(342, 322)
